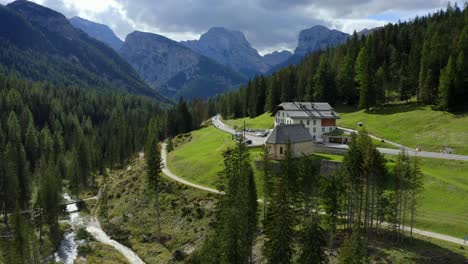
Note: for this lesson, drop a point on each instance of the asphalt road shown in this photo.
(256, 141)
(259, 141)
(169, 174)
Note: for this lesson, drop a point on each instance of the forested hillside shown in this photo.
(40, 44)
(425, 58)
(49, 134)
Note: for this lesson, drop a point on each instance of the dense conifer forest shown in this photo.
(425, 58)
(53, 135)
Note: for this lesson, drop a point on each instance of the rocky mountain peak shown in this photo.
(44, 17)
(318, 37)
(276, 57)
(98, 31)
(230, 48)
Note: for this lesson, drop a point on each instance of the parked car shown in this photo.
(248, 142)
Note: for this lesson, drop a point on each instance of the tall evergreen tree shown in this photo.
(364, 76)
(153, 172)
(313, 243)
(447, 88)
(279, 230)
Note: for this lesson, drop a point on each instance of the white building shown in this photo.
(317, 118)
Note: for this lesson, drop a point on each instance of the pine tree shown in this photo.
(153, 172)
(345, 81)
(49, 192)
(353, 250)
(331, 191)
(31, 143)
(313, 243)
(279, 229)
(364, 76)
(267, 179)
(238, 216)
(21, 239)
(324, 82)
(447, 89)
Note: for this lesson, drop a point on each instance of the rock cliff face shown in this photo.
(311, 40)
(98, 31)
(230, 48)
(318, 37)
(40, 44)
(176, 70)
(276, 57)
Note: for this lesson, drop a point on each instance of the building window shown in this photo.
(315, 122)
(323, 130)
(330, 129)
(281, 150)
(308, 122)
(302, 122)
(315, 129)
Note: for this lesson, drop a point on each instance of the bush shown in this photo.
(84, 250)
(82, 234)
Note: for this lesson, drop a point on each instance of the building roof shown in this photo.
(284, 133)
(307, 110)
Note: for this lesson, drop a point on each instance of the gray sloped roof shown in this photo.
(307, 110)
(284, 133)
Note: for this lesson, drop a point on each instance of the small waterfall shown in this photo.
(68, 250)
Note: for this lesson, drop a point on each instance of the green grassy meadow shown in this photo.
(264, 121)
(200, 159)
(412, 125)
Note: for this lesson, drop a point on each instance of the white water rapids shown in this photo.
(68, 250)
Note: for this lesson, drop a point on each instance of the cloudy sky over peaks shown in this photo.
(268, 24)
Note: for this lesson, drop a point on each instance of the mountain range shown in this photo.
(175, 70)
(230, 48)
(98, 31)
(40, 44)
(43, 45)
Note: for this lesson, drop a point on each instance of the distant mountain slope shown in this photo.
(41, 45)
(98, 31)
(175, 69)
(276, 57)
(230, 48)
(311, 40)
(366, 31)
(317, 38)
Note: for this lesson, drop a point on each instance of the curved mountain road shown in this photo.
(171, 175)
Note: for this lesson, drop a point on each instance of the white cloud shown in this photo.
(268, 24)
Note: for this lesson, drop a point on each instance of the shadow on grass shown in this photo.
(421, 251)
(391, 109)
(395, 108)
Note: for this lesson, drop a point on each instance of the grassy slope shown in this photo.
(102, 254)
(442, 205)
(264, 121)
(413, 125)
(201, 158)
(185, 215)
